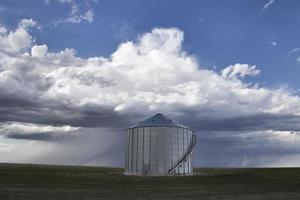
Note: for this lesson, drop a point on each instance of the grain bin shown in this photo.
(159, 146)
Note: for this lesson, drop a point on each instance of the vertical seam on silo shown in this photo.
(132, 139)
(183, 149)
(171, 149)
(167, 156)
(189, 164)
(143, 150)
(190, 138)
(137, 150)
(126, 154)
(150, 143)
(191, 151)
(177, 130)
(158, 148)
(128, 137)
(129, 151)
(188, 145)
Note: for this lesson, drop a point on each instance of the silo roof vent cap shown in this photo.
(158, 120)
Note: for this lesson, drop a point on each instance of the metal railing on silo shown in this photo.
(187, 153)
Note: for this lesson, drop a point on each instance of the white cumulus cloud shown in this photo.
(3, 30)
(150, 74)
(18, 40)
(39, 50)
(240, 70)
(28, 128)
(27, 23)
(80, 11)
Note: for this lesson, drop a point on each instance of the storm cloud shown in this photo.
(60, 104)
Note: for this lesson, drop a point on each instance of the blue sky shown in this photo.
(218, 33)
(79, 72)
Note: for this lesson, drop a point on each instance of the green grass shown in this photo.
(71, 182)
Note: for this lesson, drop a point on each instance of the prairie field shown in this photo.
(25, 181)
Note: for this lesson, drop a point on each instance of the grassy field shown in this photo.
(70, 182)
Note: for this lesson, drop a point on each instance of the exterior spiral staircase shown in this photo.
(185, 155)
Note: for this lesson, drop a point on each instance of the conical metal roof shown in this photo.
(158, 120)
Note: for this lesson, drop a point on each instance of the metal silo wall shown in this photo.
(147, 150)
(154, 150)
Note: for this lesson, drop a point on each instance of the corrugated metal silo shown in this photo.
(159, 146)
